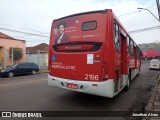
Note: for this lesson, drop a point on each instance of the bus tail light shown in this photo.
(106, 77)
(104, 71)
(97, 57)
(70, 47)
(74, 46)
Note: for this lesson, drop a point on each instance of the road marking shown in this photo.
(20, 83)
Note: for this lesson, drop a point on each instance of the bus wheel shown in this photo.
(138, 71)
(128, 84)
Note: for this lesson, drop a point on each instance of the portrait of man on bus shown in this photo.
(62, 37)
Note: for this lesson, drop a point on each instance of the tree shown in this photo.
(17, 53)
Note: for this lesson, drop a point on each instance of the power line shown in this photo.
(24, 28)
(145, 29)
(38, 41)
(127, 14)
(141, 24)
(24, 32)
(33, 39)
(141, 19)
(133, 12)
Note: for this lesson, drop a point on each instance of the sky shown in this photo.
(19, 17)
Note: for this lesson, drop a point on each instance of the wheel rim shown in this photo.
(10, 74)
(33, 72)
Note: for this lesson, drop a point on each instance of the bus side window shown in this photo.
(116, 36)
(131, 48)
(128, 47)
(138, 53)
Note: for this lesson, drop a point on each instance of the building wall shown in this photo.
(1, 55)
(40, 59)
(6, 44)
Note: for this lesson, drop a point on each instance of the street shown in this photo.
(31, 93)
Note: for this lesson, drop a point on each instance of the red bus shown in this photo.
(92, 53)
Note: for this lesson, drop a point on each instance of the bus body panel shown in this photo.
(105, 88)
(75, 30)
(76, 66)
(86, 59)
(109, 46)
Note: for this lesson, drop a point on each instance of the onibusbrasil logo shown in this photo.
(21, 114)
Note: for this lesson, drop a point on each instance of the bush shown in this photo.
(17, 53)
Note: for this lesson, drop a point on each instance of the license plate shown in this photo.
(154, 65)
(72, 86)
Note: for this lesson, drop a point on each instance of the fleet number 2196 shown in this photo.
(91, 77)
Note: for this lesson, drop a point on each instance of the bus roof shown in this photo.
(77, 14)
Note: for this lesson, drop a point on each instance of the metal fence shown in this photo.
(41, 59)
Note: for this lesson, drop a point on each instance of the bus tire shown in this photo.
(139, 69)
(126, 88)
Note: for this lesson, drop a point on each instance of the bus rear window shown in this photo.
(90, 25)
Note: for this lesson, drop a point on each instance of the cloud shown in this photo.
(39, 14)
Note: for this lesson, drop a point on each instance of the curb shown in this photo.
(41, 71)
(153, 105)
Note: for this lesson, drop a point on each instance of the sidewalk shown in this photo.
(43, 71)
(153, 105)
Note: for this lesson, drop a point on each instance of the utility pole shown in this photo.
(12, 57)
(158, 7)
(5, 57)
(38, 57)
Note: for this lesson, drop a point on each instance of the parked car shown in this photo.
(20, 69)
(155, 64)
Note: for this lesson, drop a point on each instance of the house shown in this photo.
(43, 47)
(38, 54)
(6, 44)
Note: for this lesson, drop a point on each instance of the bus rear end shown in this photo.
(76, 54)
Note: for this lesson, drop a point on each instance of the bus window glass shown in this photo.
(132, 48)
(91, 25)
(128, 48)
(138, 53)
(116, 36)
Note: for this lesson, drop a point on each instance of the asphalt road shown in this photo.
(31, 93)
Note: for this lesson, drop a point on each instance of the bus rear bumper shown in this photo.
(105, 88)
